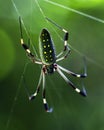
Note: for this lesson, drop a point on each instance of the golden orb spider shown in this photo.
(48, 60)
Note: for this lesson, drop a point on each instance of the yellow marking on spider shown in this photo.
(28, 50)
(77, 90)
(43, 40)
(48, 45)
(50, 51)
(78, 75)
(44, 46)
(44, 100)
(45, 52)
(22, 41)
(46, 56)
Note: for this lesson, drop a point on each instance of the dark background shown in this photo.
(86, 37)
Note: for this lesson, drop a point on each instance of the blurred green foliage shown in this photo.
(86, 37)
(7, 54)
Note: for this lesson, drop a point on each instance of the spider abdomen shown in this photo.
(46, 46)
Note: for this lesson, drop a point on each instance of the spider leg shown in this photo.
(72, 73)
(65, 55)
(22, 41)
(66, 36)
(44, 96)
(37, 89)
(26, 48)
(81, 92)
(66, 47)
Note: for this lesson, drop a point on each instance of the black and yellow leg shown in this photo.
(44, 96)
(81, 92)
(26, 48)
(66, 36)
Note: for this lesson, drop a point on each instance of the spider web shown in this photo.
(73, 48)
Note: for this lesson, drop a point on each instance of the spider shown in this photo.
(48, 60)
